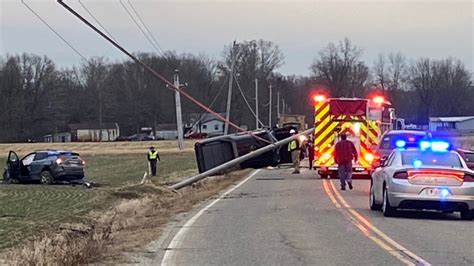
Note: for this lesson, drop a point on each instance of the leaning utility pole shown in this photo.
(179, 119)
(229, 92)
(270, 107)
(256, 103)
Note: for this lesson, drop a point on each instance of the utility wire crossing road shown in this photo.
(275, 218)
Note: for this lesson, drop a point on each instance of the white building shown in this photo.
(460, 124)
(166, 131)
(205, 123)
(90, 132)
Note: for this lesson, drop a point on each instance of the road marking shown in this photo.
(331, 196)
(170, 252)
(372, 232)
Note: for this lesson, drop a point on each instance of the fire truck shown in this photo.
(362, 120)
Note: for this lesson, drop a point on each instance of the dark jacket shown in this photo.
(345, 152)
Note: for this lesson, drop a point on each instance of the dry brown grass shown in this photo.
(91, 148)
(137, 220)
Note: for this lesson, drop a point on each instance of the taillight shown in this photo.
(468, 178)
(400, 175)
(83, 162)
(369, 157)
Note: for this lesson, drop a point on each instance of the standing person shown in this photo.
(345, 152)
(294, 149)
(153, 158)
(310, 153)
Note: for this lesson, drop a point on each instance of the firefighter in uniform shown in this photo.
(294, 149)
(153, 158)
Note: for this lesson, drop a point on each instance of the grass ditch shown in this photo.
(29, 210)
(133, 222)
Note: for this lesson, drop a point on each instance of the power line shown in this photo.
(212, 103)
(53, 30)
(97, 21)
(140, 27)
(154, 72)
(245, 100)
(145, 26)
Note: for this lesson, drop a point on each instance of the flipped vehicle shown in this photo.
(45, 166)
(428, 177)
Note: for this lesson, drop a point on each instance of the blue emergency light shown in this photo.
(433, 145)
(401, 143)
(417, 163)
(439, 146)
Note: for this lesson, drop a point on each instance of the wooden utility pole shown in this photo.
(229, 92)
(278, 104)
(270, 107)
(179, 119)
(256, 103)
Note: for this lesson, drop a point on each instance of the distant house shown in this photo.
(58, 137)
(166, 131)
(459, 124)
(85, 132)
(211, 125)
(204, 123)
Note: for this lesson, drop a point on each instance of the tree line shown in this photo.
(38, 98)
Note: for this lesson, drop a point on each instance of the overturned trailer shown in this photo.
(216, 151)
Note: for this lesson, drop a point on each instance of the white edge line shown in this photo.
(177, 239)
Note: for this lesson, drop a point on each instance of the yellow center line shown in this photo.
(369, 230)
(331, 196)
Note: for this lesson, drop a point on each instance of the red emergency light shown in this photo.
(319, 98)
(378, 99)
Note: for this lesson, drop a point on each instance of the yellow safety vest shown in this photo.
(293, 145)
(152, 155)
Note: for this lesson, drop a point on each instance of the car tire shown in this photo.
(373, 206)
(467, 215)
(323, 176)
(46, 178)
(6, 177)
(387, 209)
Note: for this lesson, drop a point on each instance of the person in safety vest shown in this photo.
(294, 149)
(153, 158)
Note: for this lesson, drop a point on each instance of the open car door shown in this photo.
(13, 166)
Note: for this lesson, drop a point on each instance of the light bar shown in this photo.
(400, 143)
(319, 98)
(439, 146)
(425, 145)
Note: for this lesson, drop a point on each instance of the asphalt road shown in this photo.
(276, 218)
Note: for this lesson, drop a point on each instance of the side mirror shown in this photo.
(380, 162)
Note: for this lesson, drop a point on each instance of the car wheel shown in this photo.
(46, 178)
(467, 215)
(373, 206)
(323, 176)
(387, 209)
(6, 177)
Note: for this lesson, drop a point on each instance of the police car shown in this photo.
(46, 166)
(428, 176)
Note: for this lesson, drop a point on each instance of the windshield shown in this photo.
(419, 159)
(389, 141)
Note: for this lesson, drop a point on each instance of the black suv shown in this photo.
(46, 166)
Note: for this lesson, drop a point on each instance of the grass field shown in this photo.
(27, 210)
(90, 148)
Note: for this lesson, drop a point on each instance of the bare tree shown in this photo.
(336, 66)
(381, 72)
(397, 72)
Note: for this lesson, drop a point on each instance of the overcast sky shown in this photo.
(415, 28)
